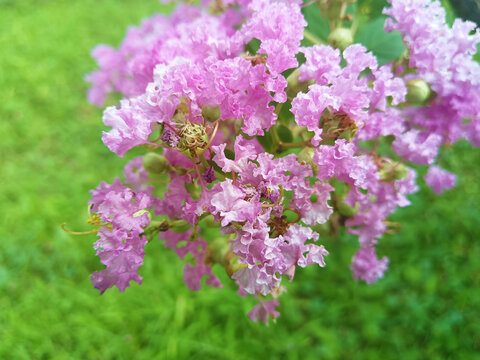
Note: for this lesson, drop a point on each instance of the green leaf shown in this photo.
(229, 154)
(451, 7)
(317, 24)
(266, 141)
(385, 46)
(253, 46)
(284, 134)
(477, 55)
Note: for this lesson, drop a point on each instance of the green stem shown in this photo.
(312, 38)
(295, 144)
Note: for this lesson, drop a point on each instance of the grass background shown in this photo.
(427, 306)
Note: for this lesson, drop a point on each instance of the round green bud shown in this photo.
(155, 163)
(305, 157)
(393, 171)
(341, 38)
(210, 113)
(418, 91)
(217, 250)
(346, 209)
(210, 222)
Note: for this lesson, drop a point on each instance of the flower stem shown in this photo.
(312, 38)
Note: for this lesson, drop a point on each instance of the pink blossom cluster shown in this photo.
(270, 146)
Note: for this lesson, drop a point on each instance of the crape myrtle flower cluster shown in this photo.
(258, 140)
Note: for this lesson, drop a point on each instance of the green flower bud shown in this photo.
(232, 264)
(306, 156)
(418, 92)
(393, 171)
(210, 222)
(210, 113)
(217, 249)
(155, 163)
(340, 38)
(346, 209)
(179, 226)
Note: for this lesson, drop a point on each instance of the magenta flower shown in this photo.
(367, 267)
(439, 179)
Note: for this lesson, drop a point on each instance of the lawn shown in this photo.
(51, 155)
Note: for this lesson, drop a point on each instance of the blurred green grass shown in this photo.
(51, 154)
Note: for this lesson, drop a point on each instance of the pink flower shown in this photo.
(439, 179)
(263, 310)
(367, 267)
(121, 240)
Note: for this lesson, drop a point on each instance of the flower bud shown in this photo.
(340, 38)
(217, 249)
(155, 163)
(418, 91)
(179, 226)
(232, 264)
(210, 113)
(305, 157)
(210, 222)
(393, 171)
(346, 209)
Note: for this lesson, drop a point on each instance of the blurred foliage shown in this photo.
(468, 9)
(51, 155)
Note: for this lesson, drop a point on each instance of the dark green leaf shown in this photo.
(229, 154)
(466, 9)
(284, 134)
